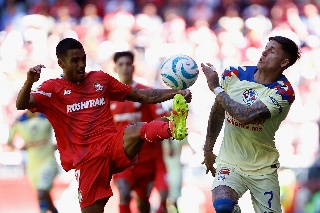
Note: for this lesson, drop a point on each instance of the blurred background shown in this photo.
(222, 32)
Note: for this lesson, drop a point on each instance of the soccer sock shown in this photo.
(44, 206)
(124, 208)
(155, 131)
(54, 210)
(162, 208)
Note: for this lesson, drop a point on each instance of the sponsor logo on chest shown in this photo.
(85, 104)
(249, 96)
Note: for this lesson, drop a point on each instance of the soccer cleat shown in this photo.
(178, 117)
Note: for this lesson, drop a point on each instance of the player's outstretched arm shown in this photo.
(153, 96)
(24, 99)
(244, 114)
(215, 123)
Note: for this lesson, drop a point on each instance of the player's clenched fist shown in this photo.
(33, 74)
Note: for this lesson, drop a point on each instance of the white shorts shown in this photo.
(264, 189)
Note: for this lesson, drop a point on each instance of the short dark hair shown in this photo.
(290, 47)
(65, 45)
(117, 55)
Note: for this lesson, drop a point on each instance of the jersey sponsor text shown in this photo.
(85, 104)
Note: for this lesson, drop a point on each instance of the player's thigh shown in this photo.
(132, 142)
(265, 193)
(227, 184)
(120, 159)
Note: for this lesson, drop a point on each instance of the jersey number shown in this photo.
(270, 199)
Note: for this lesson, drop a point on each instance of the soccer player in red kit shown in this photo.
(78, 107)
(150, 168)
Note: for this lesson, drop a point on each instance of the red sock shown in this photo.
(155, 131)
(162, 208)
(124, 208)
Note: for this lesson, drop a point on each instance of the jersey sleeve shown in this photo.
(280, 101)
(12, 133)
(43, 96)
(117, 90)
(226, 77)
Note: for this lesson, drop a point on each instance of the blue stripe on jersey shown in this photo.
(282, 85)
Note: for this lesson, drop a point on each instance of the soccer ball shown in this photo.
(179, 71)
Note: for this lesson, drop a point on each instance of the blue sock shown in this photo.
(44, 206)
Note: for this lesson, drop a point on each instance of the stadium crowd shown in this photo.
(224, 32)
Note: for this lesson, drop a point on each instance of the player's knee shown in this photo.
(224, 205)
(43, 194)
(124, 191)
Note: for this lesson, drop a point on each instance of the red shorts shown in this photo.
(141, 176)
(94, 175)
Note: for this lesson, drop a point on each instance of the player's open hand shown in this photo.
(33, 74)
(209, 160)
(212, 76)
(186, 94)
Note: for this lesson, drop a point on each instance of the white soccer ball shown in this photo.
(179, 71)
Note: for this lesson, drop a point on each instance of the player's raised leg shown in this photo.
(156, 131)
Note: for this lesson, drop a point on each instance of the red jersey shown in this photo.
(128, 112)
(80, 114)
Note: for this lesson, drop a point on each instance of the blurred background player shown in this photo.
(150, 170)
(172, 154)
(42, 167)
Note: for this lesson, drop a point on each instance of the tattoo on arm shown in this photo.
(215, 123)
(150, 96)
(258, 111)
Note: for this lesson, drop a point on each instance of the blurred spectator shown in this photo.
(114, 6)
(311, 18)
(64, 10)
(11, 12)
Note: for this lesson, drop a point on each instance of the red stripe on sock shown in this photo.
(124, 208)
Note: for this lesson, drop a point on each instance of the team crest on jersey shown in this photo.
(223, 173)
(98, 86)
(249, 96)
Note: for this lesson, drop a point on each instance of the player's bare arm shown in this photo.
(24, 99)
(258, 111)
(153, 96)
(215, 123)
